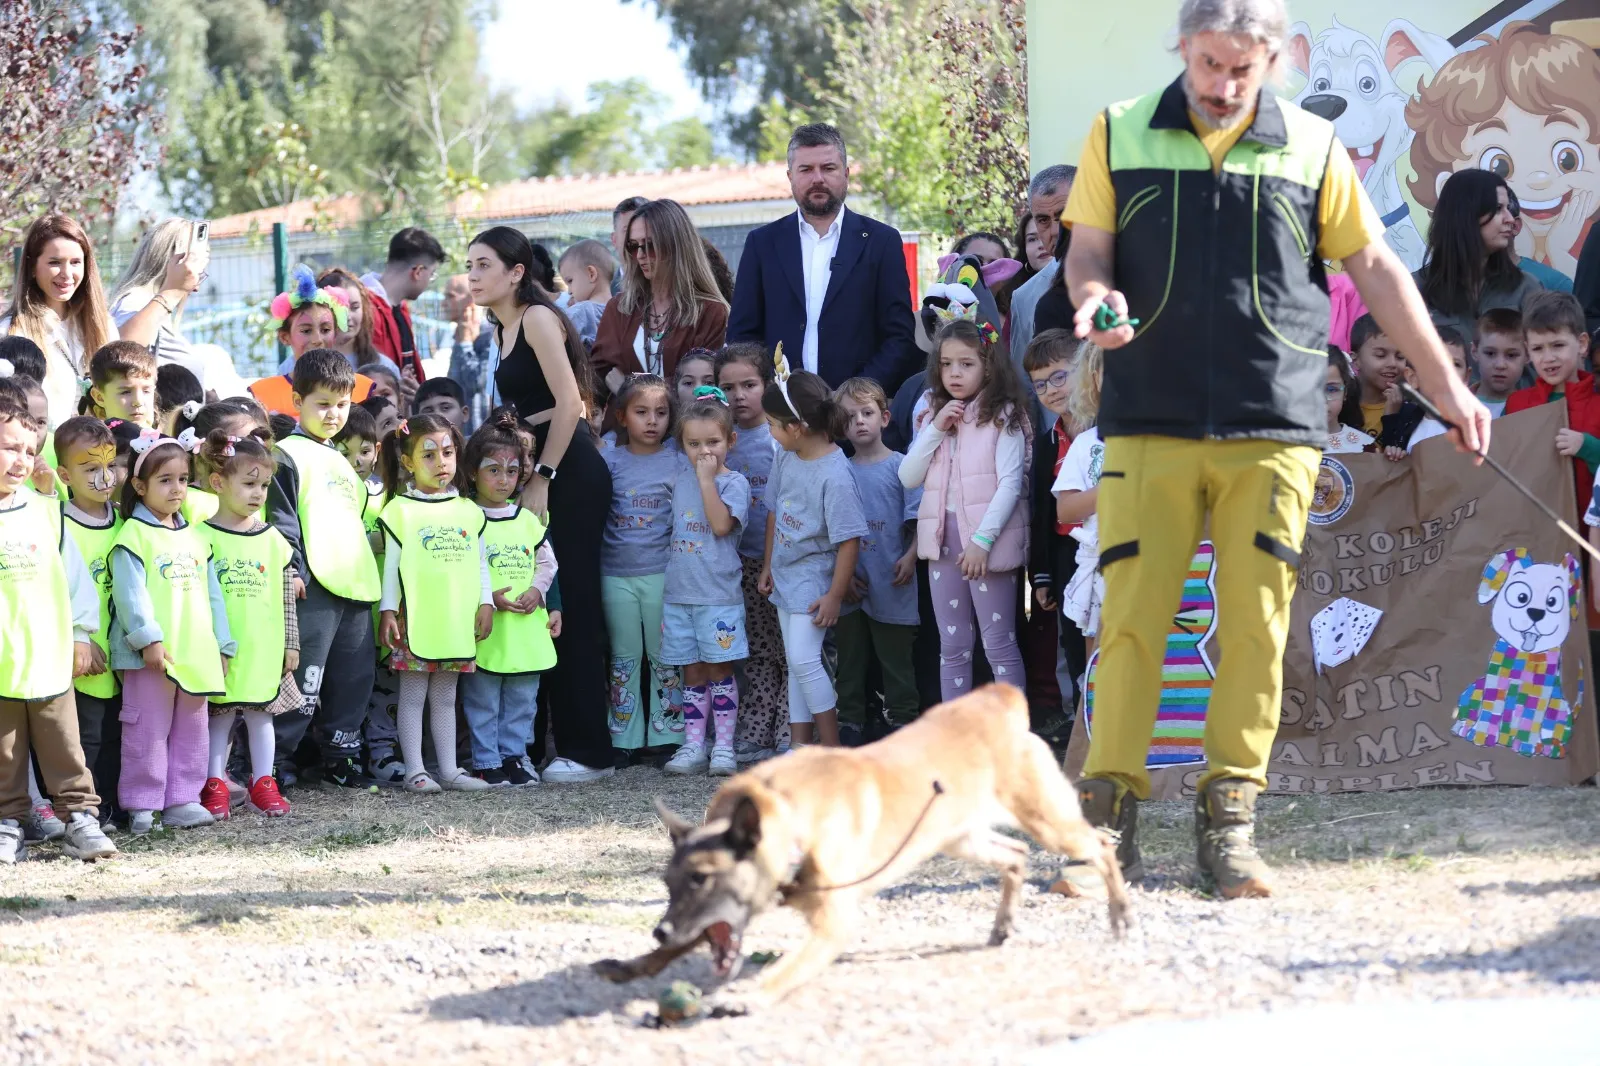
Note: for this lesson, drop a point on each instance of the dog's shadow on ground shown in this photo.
(574, 991)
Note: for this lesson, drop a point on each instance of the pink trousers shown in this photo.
(165, 743)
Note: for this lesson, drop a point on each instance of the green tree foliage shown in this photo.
(621, 129)
(735, 49)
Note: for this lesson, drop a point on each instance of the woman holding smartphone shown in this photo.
(147, 304)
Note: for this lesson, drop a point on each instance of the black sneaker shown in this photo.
(516, 774)
(851, 735)
(286, 776)
(347, 773)
(494, 777)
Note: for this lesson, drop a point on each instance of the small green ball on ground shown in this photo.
(678, 1001)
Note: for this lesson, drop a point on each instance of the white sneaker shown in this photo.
(529, 768)
(141, 822)
(688, 759)
(723, 763)
(186, 816)
(12, 848)
(746, 752)
(567, 772)
(41, 823)
(387, 771)
(465, 782)
(85, 840)
(421, 784)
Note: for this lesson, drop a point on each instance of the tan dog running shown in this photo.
(821, 829)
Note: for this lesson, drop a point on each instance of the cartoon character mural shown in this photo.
(1526, 105)
(1518, 702)
(1186, 670)
(1351, 81)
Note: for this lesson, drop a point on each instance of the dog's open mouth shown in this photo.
(724, 947)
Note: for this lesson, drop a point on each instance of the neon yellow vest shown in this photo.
(94, 544)
(519, 643)
(198, 506)
(176, 562)
(376, 498)
(35, 604)
(332, 534)
(249, 567)
(439, 574)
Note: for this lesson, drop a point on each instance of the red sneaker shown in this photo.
(265, 798)
(214, 798)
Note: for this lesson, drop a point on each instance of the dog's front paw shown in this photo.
(614, 970)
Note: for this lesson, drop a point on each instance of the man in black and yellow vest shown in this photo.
(1207, 211)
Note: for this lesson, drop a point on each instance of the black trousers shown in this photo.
(337, 663)
(573, 699)
(100, 733)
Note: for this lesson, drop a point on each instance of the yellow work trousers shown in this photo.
(1156, 494)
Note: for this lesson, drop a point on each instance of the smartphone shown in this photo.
(202, 231)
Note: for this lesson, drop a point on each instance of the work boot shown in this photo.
(1224, 829)
(1117, 821)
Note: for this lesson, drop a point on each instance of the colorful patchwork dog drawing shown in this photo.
(1517, 703)
(1186, 671)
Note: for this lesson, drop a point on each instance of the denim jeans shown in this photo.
(499, 709)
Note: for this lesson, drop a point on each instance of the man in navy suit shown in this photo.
(827, 282)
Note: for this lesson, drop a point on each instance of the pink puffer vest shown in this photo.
(970, 453)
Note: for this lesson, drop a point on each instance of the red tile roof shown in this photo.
(538, 197)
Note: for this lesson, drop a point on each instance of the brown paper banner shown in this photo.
(1477, 671)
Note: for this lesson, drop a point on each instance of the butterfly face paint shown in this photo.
(431, 461)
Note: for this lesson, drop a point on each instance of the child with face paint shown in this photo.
(87, 458)
(437, 603)
(502, 694)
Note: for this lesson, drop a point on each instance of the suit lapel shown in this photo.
(788, 237)
(852, 241)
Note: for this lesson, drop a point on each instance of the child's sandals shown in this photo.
(422, 784)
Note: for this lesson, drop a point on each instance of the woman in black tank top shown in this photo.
(544, 373)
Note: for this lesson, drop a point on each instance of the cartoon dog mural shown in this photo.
(1518, 702)
(1186, 670)
(1350, 82)
(1525, 105)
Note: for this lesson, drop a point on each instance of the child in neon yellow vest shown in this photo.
(501, 696)
(48, 611)
(316, 502)
(251, 561)
(358, 442)
(169, 638)
(437, 603)
(86, 454)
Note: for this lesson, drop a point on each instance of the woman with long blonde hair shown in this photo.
(669, 301)
(147, 303)
(59, 304)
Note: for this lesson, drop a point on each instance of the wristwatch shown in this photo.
(546, 472)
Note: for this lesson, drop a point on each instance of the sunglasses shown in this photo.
(1058, 380)
(648, 247)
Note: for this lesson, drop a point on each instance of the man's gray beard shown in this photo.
(1198, 110)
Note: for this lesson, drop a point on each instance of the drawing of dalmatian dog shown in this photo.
(1518, 702)
(1350, 82)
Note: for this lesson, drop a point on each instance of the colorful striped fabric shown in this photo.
(1186, 671)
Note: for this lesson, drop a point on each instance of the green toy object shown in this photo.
(678, 1002)
(1105, 317)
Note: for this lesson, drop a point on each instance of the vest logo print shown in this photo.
(178, 568)
(446, 543)
(510, 560)
(19, 559)
(241, 577)
(99, 573)
(1333, 494)
(341, 489)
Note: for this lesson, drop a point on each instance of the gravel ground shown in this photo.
(459, 928)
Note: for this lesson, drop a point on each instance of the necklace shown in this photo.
(657, 326)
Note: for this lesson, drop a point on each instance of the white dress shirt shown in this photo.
(816, 258)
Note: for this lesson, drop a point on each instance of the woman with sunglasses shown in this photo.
(1471, 266)
(669, 301)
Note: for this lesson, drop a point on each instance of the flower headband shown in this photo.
(150, 439)
(780, 373)
(305, 291)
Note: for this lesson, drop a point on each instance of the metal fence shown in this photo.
(230, 309)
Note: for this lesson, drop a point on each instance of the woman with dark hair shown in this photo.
(1471, 267)
(60, 305)
(544, 374)
(669, 301)
(1030, 250)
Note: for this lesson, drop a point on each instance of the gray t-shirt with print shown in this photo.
(751, 455)
(817, 508)
(701, 566)
(888, 506)
(640, 523)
